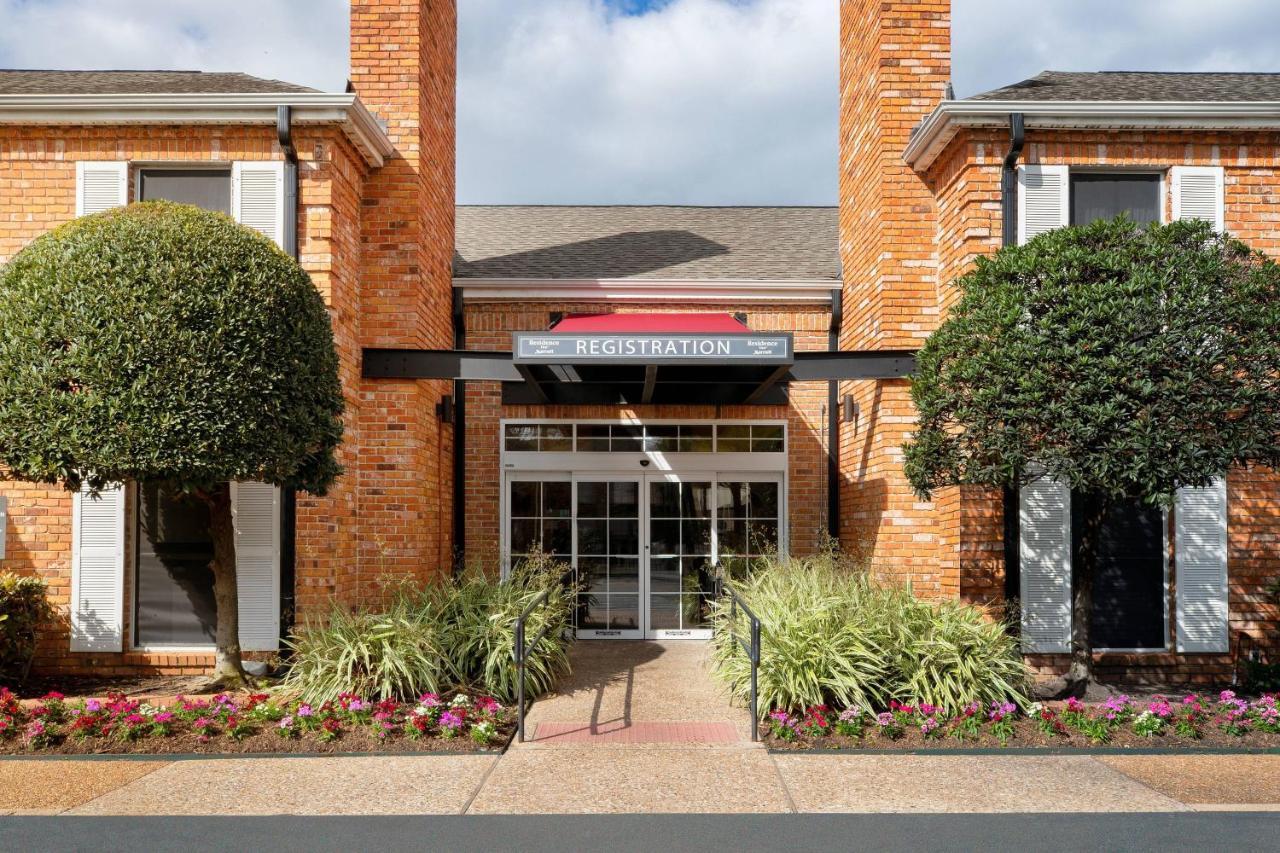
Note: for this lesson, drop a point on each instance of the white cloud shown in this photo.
(698, 101)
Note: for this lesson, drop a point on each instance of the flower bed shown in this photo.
(1193, 721)
(252, 723)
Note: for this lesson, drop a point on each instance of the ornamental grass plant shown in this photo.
(831, 635)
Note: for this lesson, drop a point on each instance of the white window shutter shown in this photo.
(257, 197)
(101, 186)
(256, 510)
(1044, 548)
(1200, 530)
(1044, 200)
(97, 571)
(1198, 194)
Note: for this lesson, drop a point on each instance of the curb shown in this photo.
(1040, 750)
(227, 756)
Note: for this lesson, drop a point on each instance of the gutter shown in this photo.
(833, 420)
(289, 497)
(1009, 237)
(459, 443)
(948, 117)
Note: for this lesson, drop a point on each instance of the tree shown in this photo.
(162, 343)
(1125, 362)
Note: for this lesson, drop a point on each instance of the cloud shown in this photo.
(688, 101)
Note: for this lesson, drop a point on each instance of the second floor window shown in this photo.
(1101, 195)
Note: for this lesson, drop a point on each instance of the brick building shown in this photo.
(647, 392)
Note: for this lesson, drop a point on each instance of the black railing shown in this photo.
(522, 649)
(751, 646)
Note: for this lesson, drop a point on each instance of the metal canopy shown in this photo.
(567, 380)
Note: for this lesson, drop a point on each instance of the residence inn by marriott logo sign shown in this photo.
(568, 348)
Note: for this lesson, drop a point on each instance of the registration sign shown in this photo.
(645, 349)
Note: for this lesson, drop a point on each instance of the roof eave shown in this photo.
(642, 290)
(343, 109)
(937, 130)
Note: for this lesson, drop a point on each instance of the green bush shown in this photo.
(454, 633)
(23, 608)
(831, 635)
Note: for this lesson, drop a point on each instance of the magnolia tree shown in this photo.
(1125, 362)
(165, 344)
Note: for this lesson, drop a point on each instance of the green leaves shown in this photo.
(161, 342)
(1123, 361)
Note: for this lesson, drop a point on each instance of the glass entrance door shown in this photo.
(646, 548)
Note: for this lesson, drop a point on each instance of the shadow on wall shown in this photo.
(632, 253)
(864, 501)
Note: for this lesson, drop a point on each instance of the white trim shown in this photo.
(798, 291)
(1202, 560)
(274, 169)
(933, 134)
(344, 109)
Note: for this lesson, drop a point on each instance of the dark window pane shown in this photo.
(206, 188)
(557, 499)
(556, 437)
(521, 437)
(664, 538)
(593, 500)
(624, 574)
(663, 439)
(557, 537)
(1128, 586)
(695, 439)
(627, 438)
(762, 536)
(695, 611)
(664, 500)
(1105, 196)
(593, 536)
(624, 612)
(526, 535)
(696, 537)
(733, 431)
(697, 575)
(695, 500)
(732, 534)
(175, 603)
(664, 574)
(763, 500)
(664, 612)
(731, 499)
(593, 438)
(524, 499)
(624, 500)
(593, 574)
(593, 613)
(624, 537)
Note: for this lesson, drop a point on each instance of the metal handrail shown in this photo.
(752, 648)
(522, 649)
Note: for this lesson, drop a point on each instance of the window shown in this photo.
(646, 438)
(174, 604)
(1129, 602)
(1097, 196)
(206, 188)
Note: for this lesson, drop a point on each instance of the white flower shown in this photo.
(1035, 709)
(460, 699)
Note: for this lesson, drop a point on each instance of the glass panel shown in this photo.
(696, 537)
(664, 500)
(664, 537)
(696, 499)
(664, 612)
(522, 437)
(593, 438)
(209, 189)
(697, 575)
(733, 431)
(766, 438)
(624, 574)
(1105, 196)
(556, 437)
(557, 537)
(593, 574)
(624, 537)
(526, 534)
(627, 438)
(662, 439)
(731, 499)
(557, 499)
(174, 585)
(732, 535)
(624, 500)
(624, 612)
(695, 439)
(664, 574)
(593, 500)
(762, 536)
(593, 612)
(763, 500)
(695, 611)
(593, 536)
(524, 500)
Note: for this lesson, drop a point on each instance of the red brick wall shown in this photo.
(403, 67)
(37, 192)
(894, 68)
(489, 327)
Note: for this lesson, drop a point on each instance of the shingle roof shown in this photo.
(1139, 86)
(20, 82)
(659, 242)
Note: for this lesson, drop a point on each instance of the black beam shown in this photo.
(650, 380)
(865, 364)
(531, 382)
(833, 420)
(768, 382)
(438, 364)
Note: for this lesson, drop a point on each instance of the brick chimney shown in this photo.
(895, 62)
(403, 66)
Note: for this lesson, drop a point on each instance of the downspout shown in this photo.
(1009, 237)
(289, 497)
(833, 421)
(459, 441)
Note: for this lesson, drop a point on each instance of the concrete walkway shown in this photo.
(641, 728)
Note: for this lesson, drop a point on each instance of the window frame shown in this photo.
(1159, 173)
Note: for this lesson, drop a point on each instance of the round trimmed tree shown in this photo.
(1124, 362)
(162, 343)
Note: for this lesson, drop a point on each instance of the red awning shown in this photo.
(649, 324)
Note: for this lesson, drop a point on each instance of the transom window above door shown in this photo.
(645, 438)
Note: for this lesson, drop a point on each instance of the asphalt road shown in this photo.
(649, 833)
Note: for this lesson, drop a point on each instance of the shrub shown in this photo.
(831, 635)
(23, 607)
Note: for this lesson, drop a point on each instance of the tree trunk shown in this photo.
(1084, 562)
(228, 668)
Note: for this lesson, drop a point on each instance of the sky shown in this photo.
(643, 101)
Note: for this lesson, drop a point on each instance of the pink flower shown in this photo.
(304, 710)
(429, 700)
(451, 720)
(93, 706)
(884, 719)
(164, 717)
(202, 723)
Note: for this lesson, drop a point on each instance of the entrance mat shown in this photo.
(620, 731)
